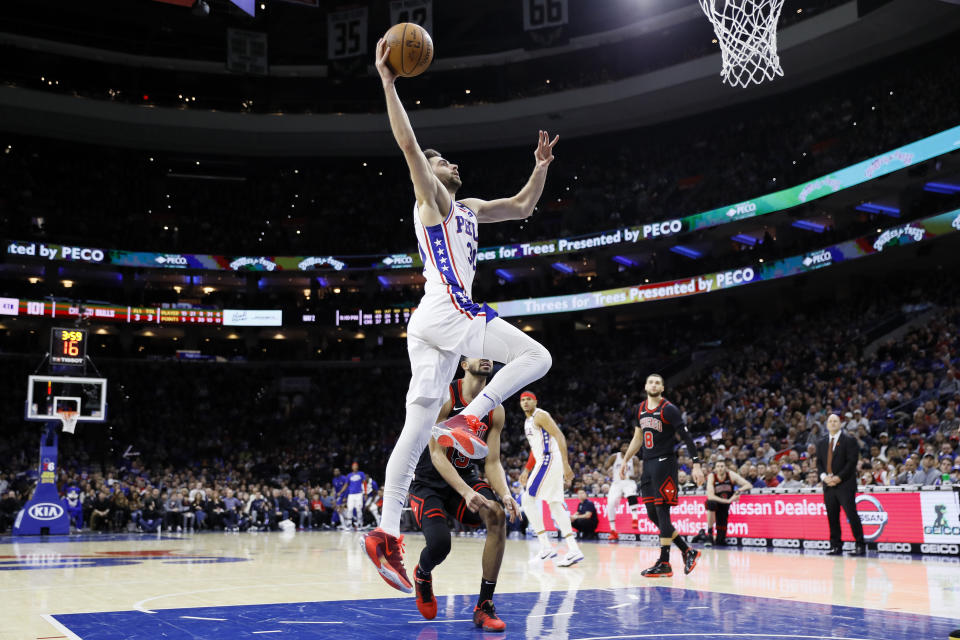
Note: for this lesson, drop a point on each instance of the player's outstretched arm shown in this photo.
(740, 480)
(429, 192)
(521, 205)
(493, 467)
(543, 420)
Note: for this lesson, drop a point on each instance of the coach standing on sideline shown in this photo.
(837, 457)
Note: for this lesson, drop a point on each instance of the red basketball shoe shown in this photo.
(614, 536)
(426, 603)
(485, 616)
(461, 433)
(386, 552)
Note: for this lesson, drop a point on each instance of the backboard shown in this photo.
(48, 394)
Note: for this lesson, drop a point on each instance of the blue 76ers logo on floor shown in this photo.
(53, 560)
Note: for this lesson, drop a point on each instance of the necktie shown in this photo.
(830, 457)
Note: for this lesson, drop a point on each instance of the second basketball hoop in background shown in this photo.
(411, 49)
(747, 33)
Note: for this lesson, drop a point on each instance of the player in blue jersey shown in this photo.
(356, 492)
(448, 323)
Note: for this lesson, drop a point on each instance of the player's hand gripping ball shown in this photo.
(411, 49)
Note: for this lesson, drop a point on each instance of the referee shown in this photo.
(660, 422)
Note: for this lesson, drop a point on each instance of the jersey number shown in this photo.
(648, 439)
(472, 257)
(459, 460)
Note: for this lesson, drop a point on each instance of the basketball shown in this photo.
(411, 49)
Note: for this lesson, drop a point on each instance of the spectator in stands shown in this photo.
(811, 480)
(789, 479)
(9, 507)
(907, 471)
(585, 520)
(928, 472)
(945, 469)
(100, 512)
(950, 425)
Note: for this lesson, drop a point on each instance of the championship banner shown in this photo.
(800, 520)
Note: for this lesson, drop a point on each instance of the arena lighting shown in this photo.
(200, 9)
(693, 254)
(743, 238)
(563, 268)
(872, 207)
(807, 225)
(322, 281)
(625, 261)
(506, 275)
(942, 187)
(247, 6)
(384, 280)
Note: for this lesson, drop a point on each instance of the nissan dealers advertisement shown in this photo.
(924, 521)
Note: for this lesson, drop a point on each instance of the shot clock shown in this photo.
(68, 346)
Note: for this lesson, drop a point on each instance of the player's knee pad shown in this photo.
(652, 513)
(437, 537)
(663, 521)
(541, 357)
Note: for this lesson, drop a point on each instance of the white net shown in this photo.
(747, 33)
(69, 419)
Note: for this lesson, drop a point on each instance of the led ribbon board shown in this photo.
(906, 156)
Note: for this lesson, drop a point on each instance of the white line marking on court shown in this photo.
(59, 627)
(707, 608)
(199, 618)
(138, 606)
(547, 615)
(426, 621)
(274, 631)
(309, 622)
(700, 634)
(627, 604)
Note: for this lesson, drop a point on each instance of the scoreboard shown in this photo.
(368, 317)
(68, 346)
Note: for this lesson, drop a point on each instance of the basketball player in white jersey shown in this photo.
(448, 323)
(621, 485)
(544, 482)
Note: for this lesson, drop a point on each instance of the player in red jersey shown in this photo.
(447, 483)
(660, 422)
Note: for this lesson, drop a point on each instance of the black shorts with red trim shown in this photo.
(429, 501)
(658, 482)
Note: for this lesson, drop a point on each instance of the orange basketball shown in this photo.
(411, 49)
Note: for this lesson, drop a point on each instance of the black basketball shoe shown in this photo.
(659, 570)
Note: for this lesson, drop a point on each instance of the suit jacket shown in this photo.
(845, 458)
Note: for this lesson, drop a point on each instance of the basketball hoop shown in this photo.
(69, 419)
(747, 33)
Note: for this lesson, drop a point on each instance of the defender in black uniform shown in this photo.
(448, 483)
(721, 493)
(656, 434)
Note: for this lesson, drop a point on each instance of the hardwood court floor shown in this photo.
(309, 584)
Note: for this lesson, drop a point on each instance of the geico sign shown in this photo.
(753, 542)
(667, 228)
(45, 511)
(816, 544)
(896, 547)
(786, 542)
(943, 549)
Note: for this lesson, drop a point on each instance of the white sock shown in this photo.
(544, 539)
(421, 416)
(572, 545)
(526, 361)
(613, 526)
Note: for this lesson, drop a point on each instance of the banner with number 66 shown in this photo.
(539, 14)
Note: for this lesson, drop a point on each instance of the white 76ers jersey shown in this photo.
(449, 254)
(542, 443)
(618, 463)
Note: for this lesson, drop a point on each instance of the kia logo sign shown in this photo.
(872, 516)
(45, 511)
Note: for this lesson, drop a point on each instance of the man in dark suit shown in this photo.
(837, 457)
